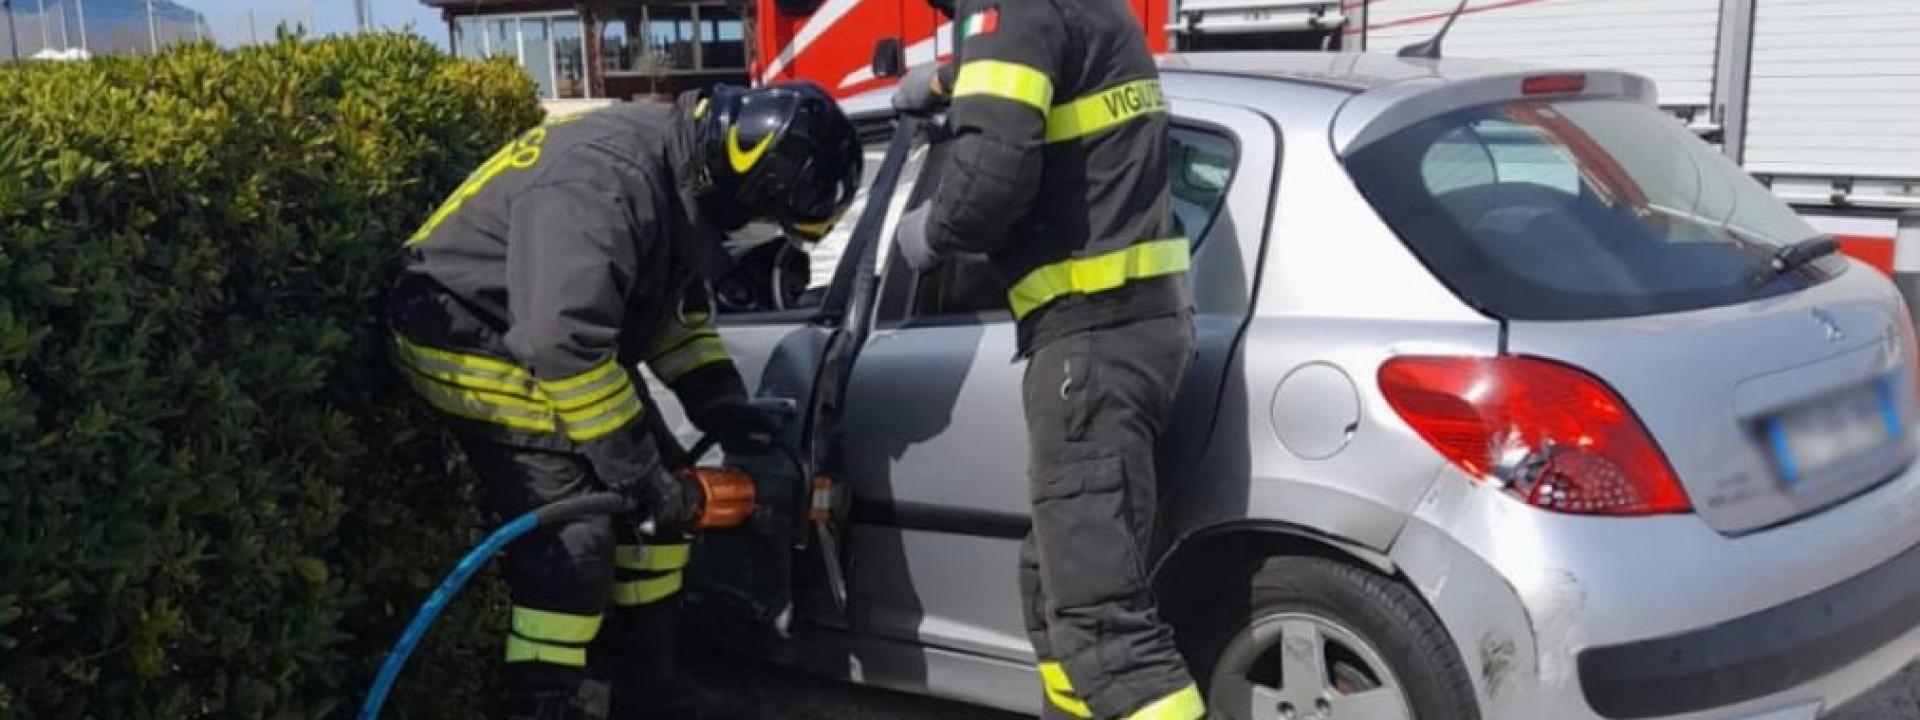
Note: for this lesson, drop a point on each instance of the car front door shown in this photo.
(937, 439)
(776, 312)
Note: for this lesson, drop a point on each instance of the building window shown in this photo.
(549, 46)
(662, 39)
(536, 53)
(670, 37)
(503, 38)
(570, 58)
(723, 44)
(619, 45)
(469, 41)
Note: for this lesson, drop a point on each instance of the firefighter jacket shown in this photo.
(1059, 165)
(525, 303)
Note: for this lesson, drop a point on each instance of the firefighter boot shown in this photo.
(644, 676)
(535, 691)
(554, 705)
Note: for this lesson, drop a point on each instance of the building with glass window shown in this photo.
(606, 48)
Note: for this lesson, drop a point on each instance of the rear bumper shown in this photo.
(1756, 655)
(1580, 618)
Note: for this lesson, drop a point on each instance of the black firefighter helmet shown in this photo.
(781, 153)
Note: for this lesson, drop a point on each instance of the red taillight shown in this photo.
(1555, 436)
(1566, 84)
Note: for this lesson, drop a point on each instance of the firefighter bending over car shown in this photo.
(524, 306)
(1059, 174)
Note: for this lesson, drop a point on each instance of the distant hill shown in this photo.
(113, 26)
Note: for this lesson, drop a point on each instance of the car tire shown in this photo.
(1361, 619)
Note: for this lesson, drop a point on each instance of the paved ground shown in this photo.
(1898, 699)
(789, 696)
(795, 697)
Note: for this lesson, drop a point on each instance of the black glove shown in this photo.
(911, 238)
(919, 92)
(668, 502)
(740, 427)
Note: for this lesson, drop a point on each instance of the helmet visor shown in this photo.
(816, 203)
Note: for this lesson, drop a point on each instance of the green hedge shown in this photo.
(215, 500)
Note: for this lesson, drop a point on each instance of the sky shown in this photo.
(228, 18)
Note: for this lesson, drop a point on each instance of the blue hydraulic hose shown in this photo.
(390, 670)
(596, 504)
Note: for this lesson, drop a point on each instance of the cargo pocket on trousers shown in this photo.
(1088, 553)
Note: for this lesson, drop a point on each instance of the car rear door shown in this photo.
(937, 438)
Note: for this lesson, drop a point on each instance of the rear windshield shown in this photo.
(1580, 209)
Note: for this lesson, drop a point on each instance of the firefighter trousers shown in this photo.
(564, 578)
(1097, 402)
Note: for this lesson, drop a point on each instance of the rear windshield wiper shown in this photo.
(1793, 257)
(1797, 255)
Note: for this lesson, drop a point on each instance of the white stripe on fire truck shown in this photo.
(823, 19)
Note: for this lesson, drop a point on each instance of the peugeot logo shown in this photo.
(1826, 319)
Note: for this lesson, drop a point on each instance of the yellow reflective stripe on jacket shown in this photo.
(556, 627)
(652, 557)
(1104, 109)
(1059, 689)
(596, 420)
(597, 396)
(676, 341)
(477, 364)
(1185, 704)
(678, 332)
(585, 383)
(650, 590)
(483, 406)
(1099, 273)
(473, 371)
(517, 404)
(520, 649)
(699, 352)
(588, 405)
(1005, 80)
(455, 375)
(686, 347)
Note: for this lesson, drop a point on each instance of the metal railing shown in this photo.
(58, 29)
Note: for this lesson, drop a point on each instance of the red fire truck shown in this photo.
(831, 41)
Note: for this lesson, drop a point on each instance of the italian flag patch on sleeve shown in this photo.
(985, 22)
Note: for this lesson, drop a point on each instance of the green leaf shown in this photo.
(313, 569)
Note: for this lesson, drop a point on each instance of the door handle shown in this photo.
(784, 407)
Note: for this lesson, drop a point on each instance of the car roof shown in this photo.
(1366, 96)
(1352, 71)
(1363, 96)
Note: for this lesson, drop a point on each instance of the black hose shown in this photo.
(602, 503)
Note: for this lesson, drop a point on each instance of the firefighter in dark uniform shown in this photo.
(524, 306)
(1059, 175)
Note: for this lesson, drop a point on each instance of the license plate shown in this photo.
(1813, 438)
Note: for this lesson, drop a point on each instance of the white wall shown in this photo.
(1835, 88)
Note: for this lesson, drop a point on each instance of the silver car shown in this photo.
(1511, 399)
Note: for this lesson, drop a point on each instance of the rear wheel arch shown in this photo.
(1241, 543)
(1209, 580)
(1198, 573)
